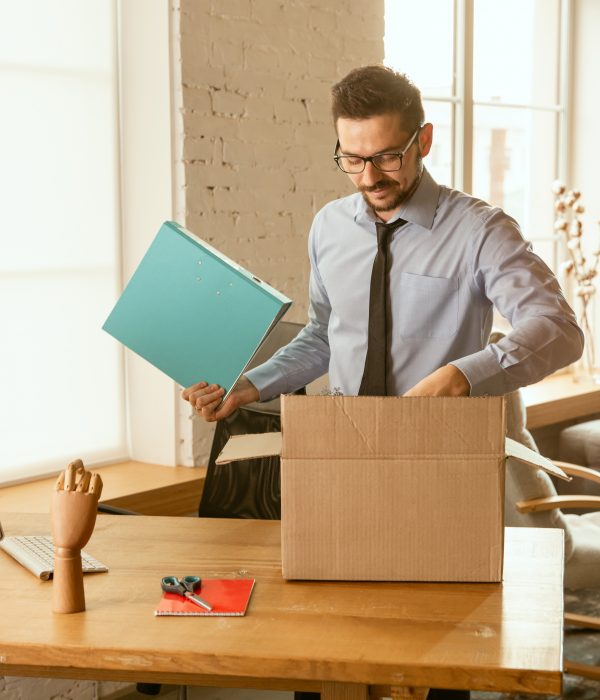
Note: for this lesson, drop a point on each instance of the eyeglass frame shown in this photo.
(370, 159)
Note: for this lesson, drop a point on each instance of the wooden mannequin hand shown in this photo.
(73, 516)
(74, 506)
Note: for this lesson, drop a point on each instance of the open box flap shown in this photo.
(533, 459)
(255, 445)
(250, 446)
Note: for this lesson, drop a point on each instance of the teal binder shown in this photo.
(194, 313)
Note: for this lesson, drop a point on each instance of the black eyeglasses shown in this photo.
(386, 162)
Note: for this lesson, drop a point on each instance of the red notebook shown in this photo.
(227, 597)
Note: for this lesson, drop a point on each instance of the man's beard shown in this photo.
(399, 197)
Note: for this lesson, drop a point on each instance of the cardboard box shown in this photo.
(390, 488)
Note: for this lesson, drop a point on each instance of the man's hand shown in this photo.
(445, 381)
(206, 398)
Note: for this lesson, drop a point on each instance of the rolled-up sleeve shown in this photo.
(545, 335)
(307, 356)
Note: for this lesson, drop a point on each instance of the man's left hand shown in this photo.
(445, 381)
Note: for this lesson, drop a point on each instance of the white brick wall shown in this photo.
(258, 137)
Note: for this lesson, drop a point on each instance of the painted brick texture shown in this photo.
(258, 136)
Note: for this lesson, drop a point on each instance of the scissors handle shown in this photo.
(171, 584)
(191, 583)
(185, 587)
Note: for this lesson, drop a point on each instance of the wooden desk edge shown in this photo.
(545, 683)
(177, 493)
(153, 677)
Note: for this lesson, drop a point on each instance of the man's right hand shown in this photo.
(206, 398)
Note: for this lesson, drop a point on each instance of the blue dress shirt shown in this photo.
(455, 259)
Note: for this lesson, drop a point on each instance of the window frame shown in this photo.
(462, 102)
(159, 430)
(156, 423)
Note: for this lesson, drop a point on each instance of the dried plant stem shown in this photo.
(569, 225)
(587, 328)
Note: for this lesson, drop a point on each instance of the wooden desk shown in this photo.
(327, 636)
(559, 398)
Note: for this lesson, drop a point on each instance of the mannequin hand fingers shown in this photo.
(84, 482)
(60, 482)
(70, 473)
(96, 485)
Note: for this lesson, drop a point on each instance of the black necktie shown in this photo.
(374, 376)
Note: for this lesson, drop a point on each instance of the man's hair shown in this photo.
(372, 90)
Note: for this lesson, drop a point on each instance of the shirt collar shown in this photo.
(420, 208)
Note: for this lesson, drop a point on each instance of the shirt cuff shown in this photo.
(269, 381)
(483, 372)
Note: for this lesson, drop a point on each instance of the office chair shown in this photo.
(580, 444)
(114, 510)
(249, 488)
(532, 501)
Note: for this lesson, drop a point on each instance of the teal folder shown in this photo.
(194, 313)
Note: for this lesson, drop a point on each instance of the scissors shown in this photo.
(185, 587)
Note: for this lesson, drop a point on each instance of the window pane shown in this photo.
(514, 164)
(61, 375)
(428, 63)
(65, 213)
(439, 160)
(58, 371)
(515, 54)
(79, 44)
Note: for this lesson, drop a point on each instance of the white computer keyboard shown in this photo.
(36, 553)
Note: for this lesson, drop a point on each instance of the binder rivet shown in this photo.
(199, 262)
(198, 279)
(218, 292)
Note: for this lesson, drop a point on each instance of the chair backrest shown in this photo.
(283, 333)
(523, 483)
(249, 488)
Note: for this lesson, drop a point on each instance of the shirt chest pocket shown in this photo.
(427, 306)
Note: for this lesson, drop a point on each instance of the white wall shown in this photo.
(585, 134)
(148, 199)
(584, 141)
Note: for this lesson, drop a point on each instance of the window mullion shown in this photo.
(563, 168)
(463, 165)
(563, 160)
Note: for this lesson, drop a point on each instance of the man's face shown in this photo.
(384, 192)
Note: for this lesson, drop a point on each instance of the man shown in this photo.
(411, 314)
(404, 277)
